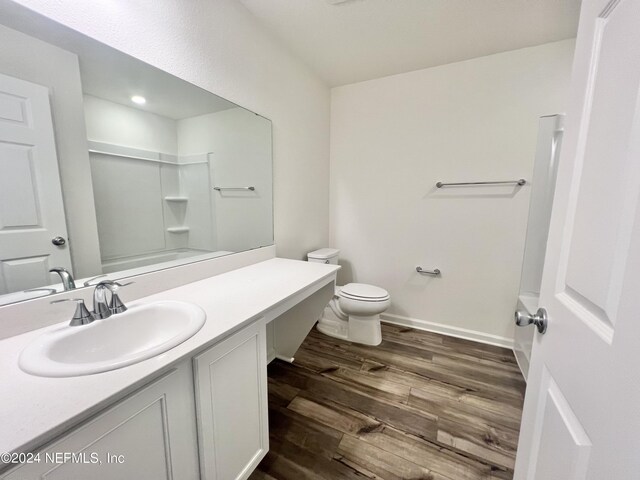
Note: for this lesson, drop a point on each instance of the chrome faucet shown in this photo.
(100, 305)
(103, 309)
(65, 276)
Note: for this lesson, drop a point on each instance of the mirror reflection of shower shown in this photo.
(543, 184)
(154, 171)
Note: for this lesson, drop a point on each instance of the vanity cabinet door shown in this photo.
(149, 435)
(231, 402)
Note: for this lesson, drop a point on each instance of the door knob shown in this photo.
(58, 241)
(539, 319)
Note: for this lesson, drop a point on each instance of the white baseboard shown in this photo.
(523, 363)
(448, 330)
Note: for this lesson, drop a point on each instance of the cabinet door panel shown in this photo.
(149, 435)
(231, 400)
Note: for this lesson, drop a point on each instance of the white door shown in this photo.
(581, 415)
(31, 209)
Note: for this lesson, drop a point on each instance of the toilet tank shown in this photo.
(324, 255)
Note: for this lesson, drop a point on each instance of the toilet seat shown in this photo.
(364, 292)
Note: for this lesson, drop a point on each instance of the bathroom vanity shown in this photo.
(173, 195)
(198, 410)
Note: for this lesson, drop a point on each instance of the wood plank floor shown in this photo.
(419, 406)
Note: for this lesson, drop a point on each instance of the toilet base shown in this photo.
(332, 328)
(364, 330)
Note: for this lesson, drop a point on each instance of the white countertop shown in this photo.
(34, 409)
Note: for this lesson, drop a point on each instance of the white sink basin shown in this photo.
(142, 332)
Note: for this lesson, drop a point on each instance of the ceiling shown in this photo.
(357, 40)
(112, 75)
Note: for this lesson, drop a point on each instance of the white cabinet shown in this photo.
(231, 403)
(149, 435)
(155, 432)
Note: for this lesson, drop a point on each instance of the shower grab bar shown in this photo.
(518, 182)
(234, 188)
(435, 272)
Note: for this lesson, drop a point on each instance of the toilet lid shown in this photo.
(363, 291)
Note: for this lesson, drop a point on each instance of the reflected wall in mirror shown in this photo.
(109, 166)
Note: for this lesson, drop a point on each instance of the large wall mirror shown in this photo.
(109, 166)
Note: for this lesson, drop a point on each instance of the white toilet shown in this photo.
(354, 312)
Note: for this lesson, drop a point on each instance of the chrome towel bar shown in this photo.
(234, 188)
(519, 182)
(435, 272)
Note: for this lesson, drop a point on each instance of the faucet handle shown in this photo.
(106, 281)
(82, 315)
(116, 305)
(88, 282)
(111, 284)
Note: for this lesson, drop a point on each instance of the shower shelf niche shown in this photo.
(176, 199)
(178, 229)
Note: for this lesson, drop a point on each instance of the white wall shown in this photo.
(110, 122)
(198, 213)
(129, 191)
(58, 70)
(221, 47)
(240, 146)
(393, 138)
